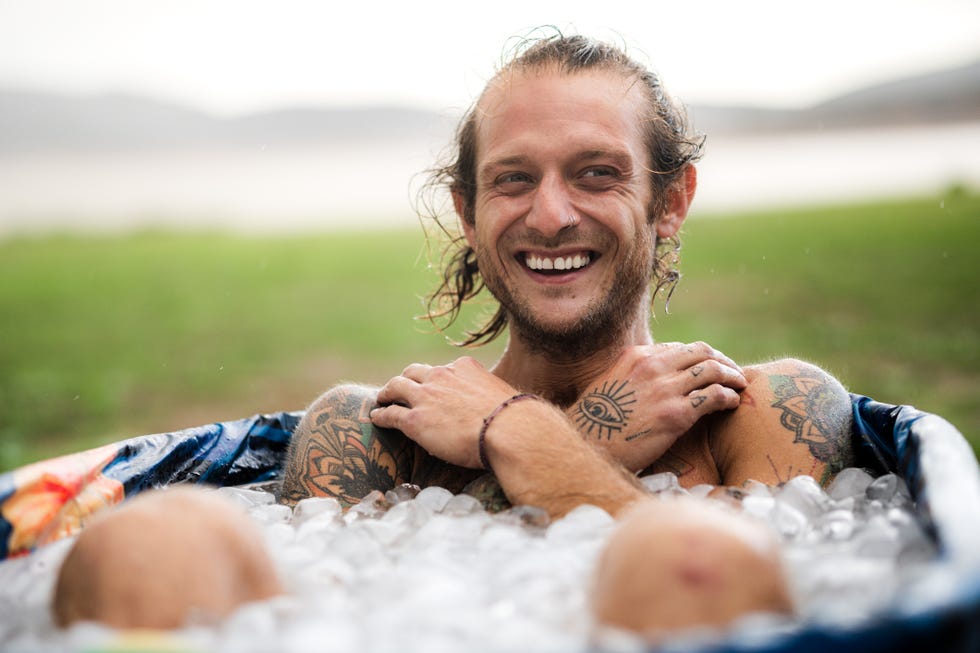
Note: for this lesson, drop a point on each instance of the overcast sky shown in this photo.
(236, 56)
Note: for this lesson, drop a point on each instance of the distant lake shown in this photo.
(276, 190)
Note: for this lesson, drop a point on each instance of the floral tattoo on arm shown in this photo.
(816, 410)
(337, 452)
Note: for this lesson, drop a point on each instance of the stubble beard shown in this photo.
(605, 323)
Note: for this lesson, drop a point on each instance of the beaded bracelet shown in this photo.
(489, 418)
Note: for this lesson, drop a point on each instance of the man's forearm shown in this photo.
(540, 459)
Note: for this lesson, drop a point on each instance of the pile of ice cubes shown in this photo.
(430, 571)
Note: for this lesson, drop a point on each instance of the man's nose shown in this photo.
(551, 209)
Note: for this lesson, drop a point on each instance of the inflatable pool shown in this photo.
(44, 503)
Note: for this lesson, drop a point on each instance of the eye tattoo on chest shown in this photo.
(605, 410)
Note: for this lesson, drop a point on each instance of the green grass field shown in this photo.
(103, 338)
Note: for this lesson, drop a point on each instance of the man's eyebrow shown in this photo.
(503, 162)
(620, 158)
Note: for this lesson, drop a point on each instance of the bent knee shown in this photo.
(160, 557)
(678, 564)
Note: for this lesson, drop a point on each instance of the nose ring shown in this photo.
(571, 220)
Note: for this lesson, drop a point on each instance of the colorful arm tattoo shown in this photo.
(337, 452)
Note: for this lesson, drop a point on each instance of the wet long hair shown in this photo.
(671, 144)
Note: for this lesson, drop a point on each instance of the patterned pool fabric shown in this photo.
(45, 501)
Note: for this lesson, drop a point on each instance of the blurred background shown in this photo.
(207, 208)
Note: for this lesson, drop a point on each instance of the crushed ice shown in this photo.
(431, 571)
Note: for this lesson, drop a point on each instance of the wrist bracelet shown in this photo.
(489, 418)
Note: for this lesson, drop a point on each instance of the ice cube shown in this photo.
(758, 506)
(883, 488)
(527, 516)
(372, 506)
(403, 492)
(313, 506)
(408, 515)
(662, 482)
(836, 524)
(246, 498)
(787, 520)
(271, 513)
(803, 493)
(434, 497)
(461, 505)
(582, 522)
(850, 482)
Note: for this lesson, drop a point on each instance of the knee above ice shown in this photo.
(676, 564)
(160, 558)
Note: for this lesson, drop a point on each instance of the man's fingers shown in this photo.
(399, 390)
(685, 355)
(417, 372)
(708, 372)
(711, 399)
(390, 417)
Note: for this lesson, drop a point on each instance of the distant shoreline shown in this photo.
(315, 189)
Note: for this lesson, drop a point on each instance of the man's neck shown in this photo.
(562, 380)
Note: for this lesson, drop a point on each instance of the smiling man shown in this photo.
(573, 174)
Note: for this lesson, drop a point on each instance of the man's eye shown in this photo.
(599, 172)
(513, 181)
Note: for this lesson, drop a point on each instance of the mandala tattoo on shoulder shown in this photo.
(606, 409)
(811, 406)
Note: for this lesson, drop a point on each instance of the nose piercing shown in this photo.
(571, 220)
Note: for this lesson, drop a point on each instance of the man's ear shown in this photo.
(678, 204)
(459, 203)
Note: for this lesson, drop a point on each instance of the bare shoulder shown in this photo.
(337, 452)
(794, 418)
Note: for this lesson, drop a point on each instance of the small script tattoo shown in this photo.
(606, 409)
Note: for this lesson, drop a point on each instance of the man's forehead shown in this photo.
(502, 88)
(601, 97)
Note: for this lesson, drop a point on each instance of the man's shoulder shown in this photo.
(794, 418)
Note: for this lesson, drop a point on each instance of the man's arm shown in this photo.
(337, 452)
(793, 419)
(536, 453)
(540, 459)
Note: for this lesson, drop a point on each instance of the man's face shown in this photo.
(561, 228)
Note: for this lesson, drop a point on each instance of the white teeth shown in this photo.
(559, 263)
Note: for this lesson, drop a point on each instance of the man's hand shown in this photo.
(652, 396)
(537, 456)
(442, 407)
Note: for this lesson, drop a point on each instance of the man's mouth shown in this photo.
(552, 264)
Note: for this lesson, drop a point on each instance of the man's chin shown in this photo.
(572, 338)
